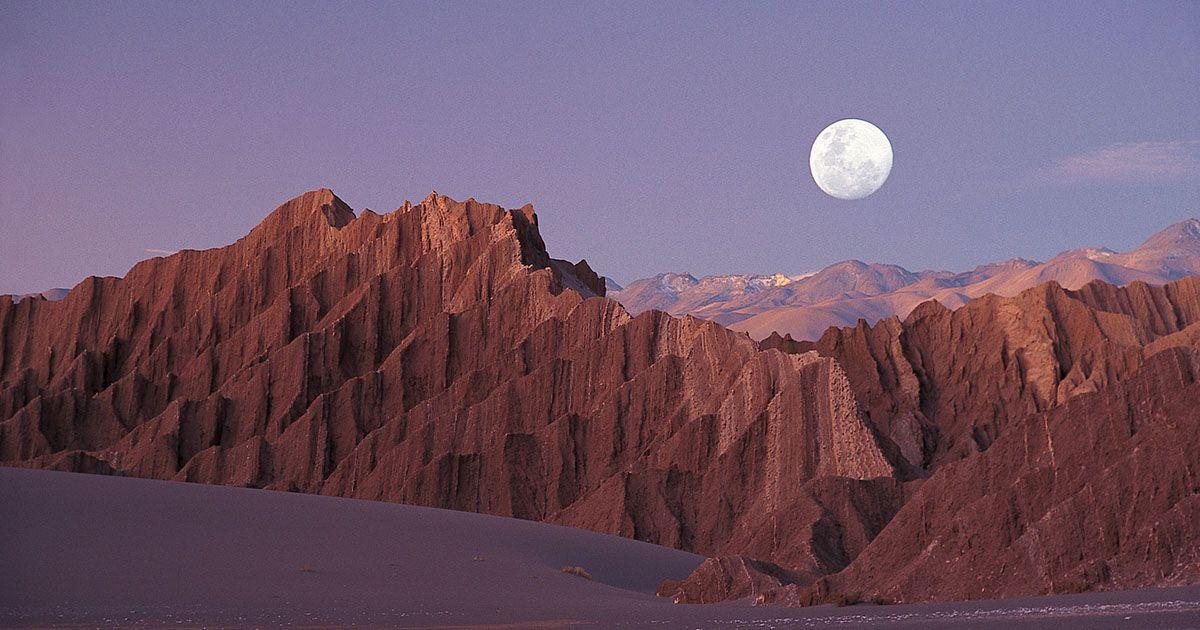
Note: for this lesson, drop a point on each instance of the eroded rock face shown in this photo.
(944, 385)
(1058, 433)
(436, 355)
(1102, 492)
(727, 578)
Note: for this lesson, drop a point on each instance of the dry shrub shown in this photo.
(577, 571)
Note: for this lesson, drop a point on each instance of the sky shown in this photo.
(671, 137)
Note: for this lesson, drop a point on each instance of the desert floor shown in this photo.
(86, 551)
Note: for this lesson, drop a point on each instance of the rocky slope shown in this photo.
(1057, 430)
(438, 356)
(944, 384)
(841, 294)
(1102, 492)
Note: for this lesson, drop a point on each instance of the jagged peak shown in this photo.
(675, 282)
(320, 207)
(446, 219)
(853, 264)
(580, 277)
(1011, 263)
(931, 308)
(1181, 235)
(436, 199)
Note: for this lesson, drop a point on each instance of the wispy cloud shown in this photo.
(163, 252)
(1129, 163)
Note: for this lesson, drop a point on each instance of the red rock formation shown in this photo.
(1060, 429)
(727, 578)
(437, 355)
(1101, 492)
(944, 384)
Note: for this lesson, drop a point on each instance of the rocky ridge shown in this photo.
(437, 355)
(1048, 439)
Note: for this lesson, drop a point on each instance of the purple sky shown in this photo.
(672, 138)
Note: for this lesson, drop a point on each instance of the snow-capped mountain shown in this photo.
(805, 305)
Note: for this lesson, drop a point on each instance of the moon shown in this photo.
(850, 159)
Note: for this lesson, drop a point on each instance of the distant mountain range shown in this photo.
(804, 306)
(50, 294)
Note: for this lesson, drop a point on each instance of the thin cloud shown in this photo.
(1130, 163)
(163, 252)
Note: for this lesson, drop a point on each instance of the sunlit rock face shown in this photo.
(436, 355)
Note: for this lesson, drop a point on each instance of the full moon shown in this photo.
(850, 159)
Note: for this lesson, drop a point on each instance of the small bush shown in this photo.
(577, 571)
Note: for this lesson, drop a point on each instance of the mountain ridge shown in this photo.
(437, 355)
(844, 292)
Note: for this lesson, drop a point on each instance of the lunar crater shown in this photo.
(850, 159)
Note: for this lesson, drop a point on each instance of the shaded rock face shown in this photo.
(943, 385)
(1101, 492)
(1052, 442)
(438, 356)
(727, 578)
(1058, 433)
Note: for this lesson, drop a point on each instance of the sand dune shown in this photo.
(106, 551)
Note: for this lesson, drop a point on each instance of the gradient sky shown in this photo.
(649, 139)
